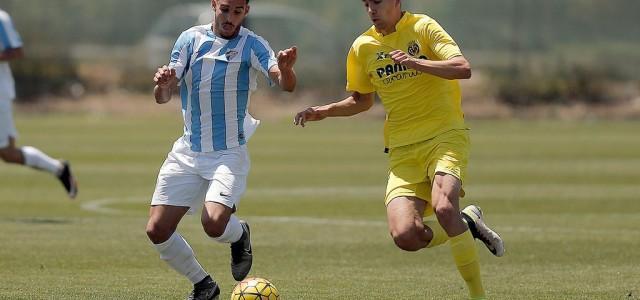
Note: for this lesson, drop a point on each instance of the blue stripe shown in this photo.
(4, 37)
(263, 54)
(185, 40)
(196, 113)
(218, 84)
(184, 95)
(196, 131)
(243, 88)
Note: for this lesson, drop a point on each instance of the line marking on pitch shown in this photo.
(100, 206)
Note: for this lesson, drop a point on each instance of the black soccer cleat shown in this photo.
(67, 179)
(206, 289)
(241, 255)
(472, 215)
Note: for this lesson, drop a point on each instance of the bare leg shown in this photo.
(404, 216)
(11, 154)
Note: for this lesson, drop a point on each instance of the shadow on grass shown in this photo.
(39, 221)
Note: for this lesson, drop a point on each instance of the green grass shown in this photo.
(563, 195)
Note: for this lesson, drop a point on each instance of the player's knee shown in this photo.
(407, 239)
(158, 234)
(10, 155)
(446, 211)
(214, 229)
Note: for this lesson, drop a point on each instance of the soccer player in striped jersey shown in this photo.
(413, 65)
(11, 49)
(214, 67)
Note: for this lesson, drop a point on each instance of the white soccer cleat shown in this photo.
(473, 216)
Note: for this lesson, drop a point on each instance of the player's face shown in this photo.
(229, 15)
(383, 12)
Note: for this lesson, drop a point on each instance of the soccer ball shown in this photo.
(255, 289)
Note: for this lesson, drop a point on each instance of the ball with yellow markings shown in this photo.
(255, 289)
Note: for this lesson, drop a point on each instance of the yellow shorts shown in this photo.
(412, 168)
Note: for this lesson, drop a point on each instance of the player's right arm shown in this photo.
(166, 82)
(353, 105)
(168, 77)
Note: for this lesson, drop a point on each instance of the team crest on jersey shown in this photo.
(231, 54)
(413, 48)
(381, 56)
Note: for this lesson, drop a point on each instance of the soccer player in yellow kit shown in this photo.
(413, 65)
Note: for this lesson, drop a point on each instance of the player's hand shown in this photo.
(403, 58)
(165, 76)
(310, 114)
(287, 58)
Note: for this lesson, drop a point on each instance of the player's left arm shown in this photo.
(11, 41)
(283, 73)
(11, 54)
(454, 68)
(448, 63)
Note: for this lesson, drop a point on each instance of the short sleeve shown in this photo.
(9, 37)
(357, 78)
(440, 42)
(181, 54)
(262, 56)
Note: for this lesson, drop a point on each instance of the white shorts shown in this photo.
(188, 178)
(7, 127)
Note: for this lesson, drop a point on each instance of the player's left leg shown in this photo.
(445, 196)
(38, 160)
(228, 183)
(223, 226)
(474, 218)
(30, 156)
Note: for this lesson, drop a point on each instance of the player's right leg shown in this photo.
(176, 252)
(408, 201)
(177, 190)
(404, 217)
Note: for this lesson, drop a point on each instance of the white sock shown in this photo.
(233, 231)
(179, 255)
(36, 159)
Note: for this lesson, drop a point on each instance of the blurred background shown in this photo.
(550, 58)
(554, 107)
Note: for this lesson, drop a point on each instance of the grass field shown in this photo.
(565, 196)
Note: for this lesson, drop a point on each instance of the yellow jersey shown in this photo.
(419, 106)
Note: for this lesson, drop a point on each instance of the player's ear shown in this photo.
(213, 4)
(247, 9)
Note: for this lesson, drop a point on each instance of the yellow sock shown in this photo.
(465, 256)
(439, 235)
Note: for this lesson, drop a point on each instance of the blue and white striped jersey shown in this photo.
(9, 39)
(217, 77)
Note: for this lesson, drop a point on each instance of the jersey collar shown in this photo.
(212, 34)
(402, 23)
